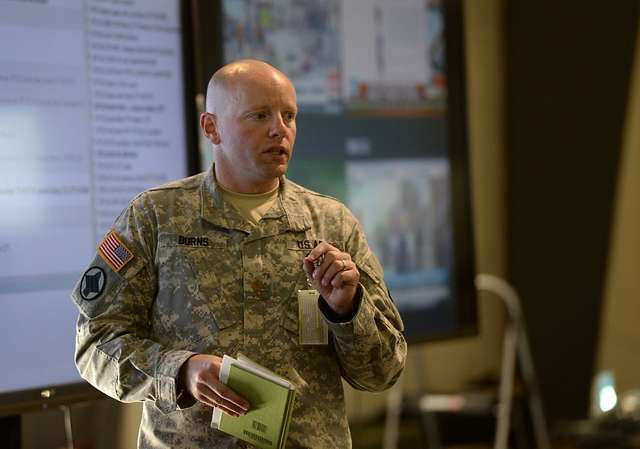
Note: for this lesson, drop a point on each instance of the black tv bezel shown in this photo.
(461, 209)
(50, 396)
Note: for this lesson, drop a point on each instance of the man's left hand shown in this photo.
(336, 277)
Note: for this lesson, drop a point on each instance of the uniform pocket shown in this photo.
(297, 280)
(191, 311)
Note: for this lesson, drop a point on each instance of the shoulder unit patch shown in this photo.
(92, 284)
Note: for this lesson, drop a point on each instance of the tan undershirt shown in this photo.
(251, 206)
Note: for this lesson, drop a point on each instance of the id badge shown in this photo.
(312, 328)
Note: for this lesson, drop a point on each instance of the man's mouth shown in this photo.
(277, 151)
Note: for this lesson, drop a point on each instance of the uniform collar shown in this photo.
(287, 214)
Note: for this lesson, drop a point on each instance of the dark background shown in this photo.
(567, 70)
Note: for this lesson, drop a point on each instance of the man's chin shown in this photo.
(279, 170)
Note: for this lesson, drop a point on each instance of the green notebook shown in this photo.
(266, 423)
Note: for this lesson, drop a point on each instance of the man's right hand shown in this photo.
(199, 375)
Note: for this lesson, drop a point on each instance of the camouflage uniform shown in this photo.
(203, 280)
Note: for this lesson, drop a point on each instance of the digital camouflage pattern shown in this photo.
(203, 280)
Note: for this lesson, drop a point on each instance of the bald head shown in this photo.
(251, 122)
(228, 78)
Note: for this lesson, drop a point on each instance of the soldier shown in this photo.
(215, 264)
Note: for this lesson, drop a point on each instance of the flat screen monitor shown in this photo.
(92, 111)
(382, 127)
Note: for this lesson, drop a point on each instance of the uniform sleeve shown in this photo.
(113, 350)
(370, 347)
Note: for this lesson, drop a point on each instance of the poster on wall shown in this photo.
(299, 36)
(363, 55)
(404, 206)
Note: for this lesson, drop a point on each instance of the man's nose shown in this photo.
(278, 127)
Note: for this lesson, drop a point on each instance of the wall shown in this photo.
(620, 335)
(451, 365)
(46, 429)
(568, 65)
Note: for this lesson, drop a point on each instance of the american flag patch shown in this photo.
(114, 252)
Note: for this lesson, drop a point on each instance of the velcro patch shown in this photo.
(114, 252)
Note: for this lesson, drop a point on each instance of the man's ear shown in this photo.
(209, 126)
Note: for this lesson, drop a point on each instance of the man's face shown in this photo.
(255, 132)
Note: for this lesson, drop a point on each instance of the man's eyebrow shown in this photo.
(259, 107)
(254, 108)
